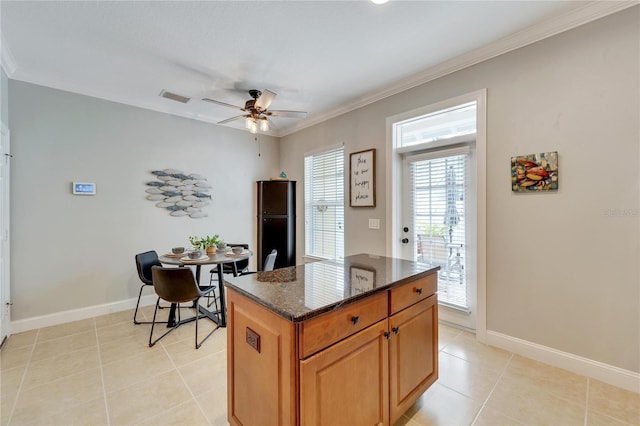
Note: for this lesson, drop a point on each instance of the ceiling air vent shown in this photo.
(174, 97)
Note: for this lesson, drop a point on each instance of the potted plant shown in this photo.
(207, 243)
(211, 243)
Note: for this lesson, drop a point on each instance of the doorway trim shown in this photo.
(5, 246)
(394, 192)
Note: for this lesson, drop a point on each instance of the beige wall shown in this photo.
(562, 268)
(4, 98)
(70, 252)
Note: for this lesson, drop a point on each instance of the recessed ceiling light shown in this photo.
(379, 1)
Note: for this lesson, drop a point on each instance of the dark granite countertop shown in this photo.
(301, 292)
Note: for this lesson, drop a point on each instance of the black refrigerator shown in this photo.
(277, 221)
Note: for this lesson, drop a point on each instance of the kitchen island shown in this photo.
(352, 342)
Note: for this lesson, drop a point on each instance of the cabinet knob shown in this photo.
(418, 290)
(355, 319)
(395, 330)
(387, 335)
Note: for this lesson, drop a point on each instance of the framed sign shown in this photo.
(362, 178)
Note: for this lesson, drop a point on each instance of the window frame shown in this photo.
(338, 202)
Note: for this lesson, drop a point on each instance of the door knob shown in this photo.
(405, 240)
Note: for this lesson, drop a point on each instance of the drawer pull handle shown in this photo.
(418, 290)
(355, 319)
(395, 330)
(387, 335)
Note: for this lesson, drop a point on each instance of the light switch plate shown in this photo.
(374, 223)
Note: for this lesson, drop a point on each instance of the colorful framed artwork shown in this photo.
(362, 178)
(535, 172)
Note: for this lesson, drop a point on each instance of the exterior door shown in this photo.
(437, 201)
(5, 300)
(448, 219)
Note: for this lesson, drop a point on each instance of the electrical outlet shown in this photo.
(253, 339)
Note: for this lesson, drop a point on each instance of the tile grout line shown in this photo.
(184, 382)
(495, 385)
(24, 375)
(104, 389)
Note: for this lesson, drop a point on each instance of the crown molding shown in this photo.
(563, 22)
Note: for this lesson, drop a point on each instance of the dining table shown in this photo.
(218, 258)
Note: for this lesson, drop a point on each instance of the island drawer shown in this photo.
(412, 292)
(322, 331)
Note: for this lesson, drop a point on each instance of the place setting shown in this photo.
(237, 251)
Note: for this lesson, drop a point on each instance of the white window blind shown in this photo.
(437, 193)
(324, 204)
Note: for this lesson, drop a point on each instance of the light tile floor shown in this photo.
(100, 371)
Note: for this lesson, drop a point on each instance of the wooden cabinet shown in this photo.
(413, 354)
(261, 365)
(322, 331)
(347, 383)
(364, 363)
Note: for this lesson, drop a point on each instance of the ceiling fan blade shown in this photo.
(228, 120)
(265, 99)
(213, 101)
(288, 114)
(272, 126)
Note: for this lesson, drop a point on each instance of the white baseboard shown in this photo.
(79, 314)
(606, 373)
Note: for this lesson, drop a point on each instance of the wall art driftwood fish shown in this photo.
(183, 195)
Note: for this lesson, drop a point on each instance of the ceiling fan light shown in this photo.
(251, 125)
(264, 125)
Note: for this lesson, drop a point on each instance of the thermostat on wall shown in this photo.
(84, 188)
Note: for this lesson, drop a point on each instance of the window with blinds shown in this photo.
(324, 204)
(437, 184)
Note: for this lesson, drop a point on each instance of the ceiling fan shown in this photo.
(256, 111)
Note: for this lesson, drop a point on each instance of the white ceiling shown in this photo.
(324, 57)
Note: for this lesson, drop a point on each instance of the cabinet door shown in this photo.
(348, 383)
(413, 354)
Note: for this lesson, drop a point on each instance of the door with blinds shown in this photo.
(436, 196)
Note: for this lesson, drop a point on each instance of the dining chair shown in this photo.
(269, 263)
(144, 262)
(178, 285)
(235, 268)
(270, 260)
